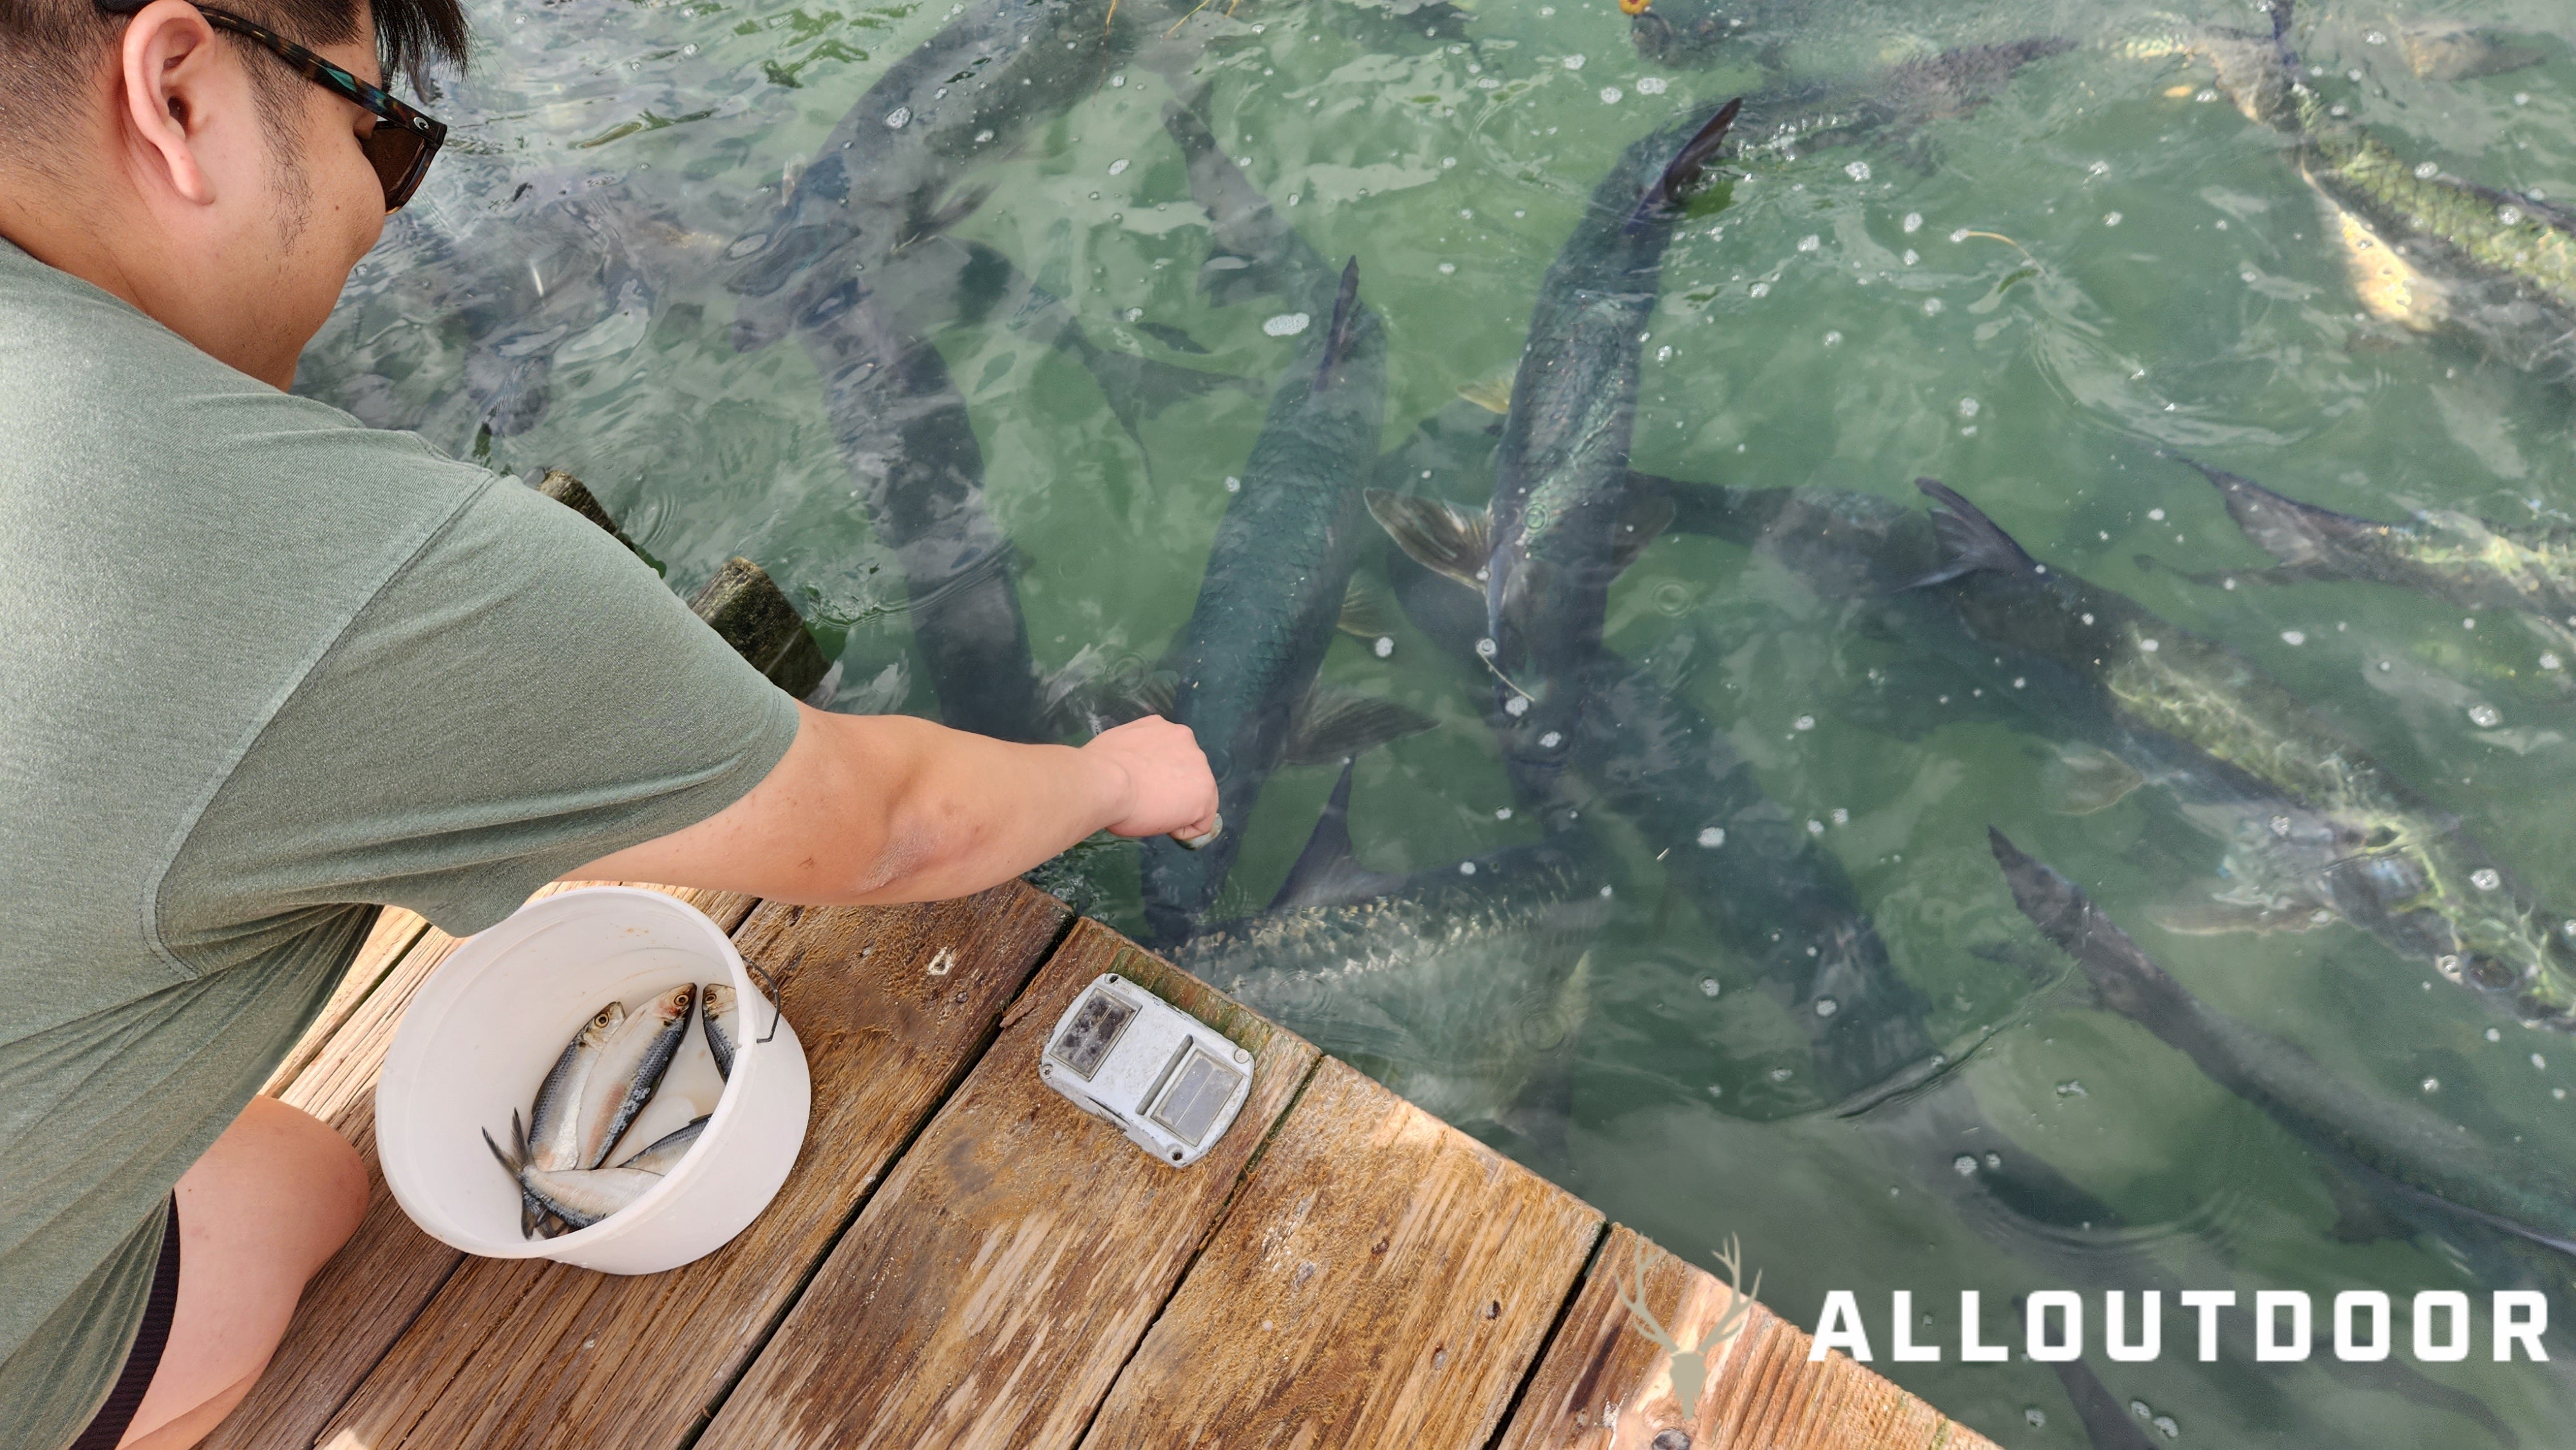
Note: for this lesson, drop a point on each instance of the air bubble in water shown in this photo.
(2139, 1409)
(1611, 95)
(1994, 1160)
(2539, 1062)
(2432, 1084)
(1827, 1006)
(1572, 62)
(1466, 868)
(1233, 485)
(2071, 1088)
(1516, 706)
(2294, 636)
(2484, 716)
(2036, 1416)
(2426, 171)
(1708, 987)
(898, 118)
(1652, 85)
(1857, 171)
(1286, 324)
(2485, 878)
(2169, 1427)
(1810, 242)
(2495, 1035)
(1118, 167)
(1503, 813)
(1384, 647)
(1551, 740)
(1965, 1164)
(1804, 722)
(2148, 645)
(1780, 1074)
(1712, 837)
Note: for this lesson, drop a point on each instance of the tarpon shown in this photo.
(2387, 1141)
(1456, 986)
(2426, 250)
(2451, 556)
(1280, 566)
(2315, 828)
(1557, 532)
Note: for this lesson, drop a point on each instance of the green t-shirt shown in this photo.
(263, 670)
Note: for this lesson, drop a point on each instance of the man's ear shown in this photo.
(167, 64)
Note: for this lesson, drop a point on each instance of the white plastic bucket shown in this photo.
(488, 1025)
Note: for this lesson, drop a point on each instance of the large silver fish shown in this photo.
(2452, 556)
(1279, 569)
(1456, 986)
(2389, 1143)
(629, 1067)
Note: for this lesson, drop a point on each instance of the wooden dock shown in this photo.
(963, 1259)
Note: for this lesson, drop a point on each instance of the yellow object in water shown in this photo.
(1634, 7)
(1494, 395)
(2389, 286)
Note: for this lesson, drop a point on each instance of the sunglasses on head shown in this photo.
(403, 142)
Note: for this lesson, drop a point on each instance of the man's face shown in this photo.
(315, 196)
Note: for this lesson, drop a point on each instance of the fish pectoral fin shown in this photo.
(1364, 612)
(1452, 542)
(1137, 388)
(2080, 780)
(1333, 723)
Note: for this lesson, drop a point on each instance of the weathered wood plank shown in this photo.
(893, 1005)
(360, 1302)
(393, 934)
(1605, 1383)
(977, 1301)
(744, 605)
(1382, 1279)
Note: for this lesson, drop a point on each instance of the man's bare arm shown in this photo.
(882, 808)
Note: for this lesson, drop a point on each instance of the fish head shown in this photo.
(1685, 32)
(674, 1004)
(601, 1025)
(719, 998)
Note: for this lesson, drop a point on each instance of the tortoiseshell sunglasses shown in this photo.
(403, 142)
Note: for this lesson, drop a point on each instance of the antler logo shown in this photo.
(1690, 1366)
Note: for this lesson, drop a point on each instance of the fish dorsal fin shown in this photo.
(1681, 176)
(1644, 514)
(1332, 723)
(2280, 526)
(1363, 612)
(1969, 540)
(1346, 316)
(1451, 542)
(1326, 874)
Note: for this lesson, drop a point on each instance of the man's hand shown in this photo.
(1170, 790)
(882, 808)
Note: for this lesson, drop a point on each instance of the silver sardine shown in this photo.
(629, 1068)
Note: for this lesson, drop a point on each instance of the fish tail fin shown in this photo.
(1326, 872)
(509, 1164)
(1969, 540)
(1682, 174)
(1364, 612)
(1338, 337)
(1451, 542)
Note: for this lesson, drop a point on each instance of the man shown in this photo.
(262, 669)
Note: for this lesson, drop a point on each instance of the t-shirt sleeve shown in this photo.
(521, 697)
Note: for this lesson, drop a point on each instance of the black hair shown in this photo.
(51, 51)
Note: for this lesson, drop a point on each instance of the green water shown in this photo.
(2147, 271)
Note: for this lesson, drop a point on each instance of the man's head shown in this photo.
(190, 169)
